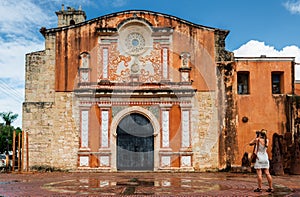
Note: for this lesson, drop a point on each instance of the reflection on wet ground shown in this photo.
(147, 186)
(131, 186)
(140, 184)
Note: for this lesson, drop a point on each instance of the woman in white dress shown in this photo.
(262, 162)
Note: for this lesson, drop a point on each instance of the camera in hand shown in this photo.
(257, 133)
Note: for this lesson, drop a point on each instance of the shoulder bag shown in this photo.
(254, 155)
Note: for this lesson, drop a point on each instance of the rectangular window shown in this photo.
(243, 82)
(277, 82)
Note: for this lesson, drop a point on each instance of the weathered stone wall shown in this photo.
(227, 112)
(40, 74)
(65, 140)
(38, 108)
(37, 121)
(205, 131)
(226, 105)
(53, 136)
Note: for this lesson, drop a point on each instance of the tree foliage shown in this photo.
(6, 131)
(8, 117)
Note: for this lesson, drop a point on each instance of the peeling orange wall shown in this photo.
(261, 107)
(297, 88)
(200, 42)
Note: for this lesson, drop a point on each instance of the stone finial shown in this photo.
(62, 7)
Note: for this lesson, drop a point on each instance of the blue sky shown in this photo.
(269, 27)
(263, 20)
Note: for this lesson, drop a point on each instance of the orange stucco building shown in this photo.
(262, 84)
(140, 90)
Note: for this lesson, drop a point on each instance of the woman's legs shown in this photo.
(259, 177)
(269, 178)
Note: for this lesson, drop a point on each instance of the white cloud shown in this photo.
(293, 6)
(255, 48)
(22, 18)
(19, 25)
(12, 75)
(20, 22)
(12, 53)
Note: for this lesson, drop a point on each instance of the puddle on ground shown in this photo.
(142, 186)
(9, 182)
(133, 186)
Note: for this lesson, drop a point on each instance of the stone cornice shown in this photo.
(45, 31)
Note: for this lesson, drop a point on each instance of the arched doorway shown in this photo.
(135, 143)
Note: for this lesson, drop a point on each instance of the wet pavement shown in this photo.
(142, 184)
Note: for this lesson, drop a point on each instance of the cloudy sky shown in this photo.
(257, 27)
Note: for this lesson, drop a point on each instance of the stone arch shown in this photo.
(132, 20)
(135, 109)
(113, 132)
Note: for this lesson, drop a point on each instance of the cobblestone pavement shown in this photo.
(142, 184)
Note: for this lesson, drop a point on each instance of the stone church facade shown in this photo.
(140, 90)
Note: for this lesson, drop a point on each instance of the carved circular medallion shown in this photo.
(135, 68)
(135, 43)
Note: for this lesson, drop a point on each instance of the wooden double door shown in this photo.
(135, 143)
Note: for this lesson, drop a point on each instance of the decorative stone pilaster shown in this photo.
(165, 150)
(165, 115)
(84, 145)
(186, 149)
(165, 63)
(104, 149)
(105, 63)
(104, 129)
(84, 150)
(185, 128)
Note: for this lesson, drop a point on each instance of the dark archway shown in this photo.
(72, 22)
(135, 143)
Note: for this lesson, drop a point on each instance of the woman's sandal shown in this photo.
(257, 190)
(269, 190)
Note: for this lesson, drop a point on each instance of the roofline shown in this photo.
(264, 58)
(132, 11)
(297, 81)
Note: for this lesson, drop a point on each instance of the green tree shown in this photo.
(6, 131)
(8, 117)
